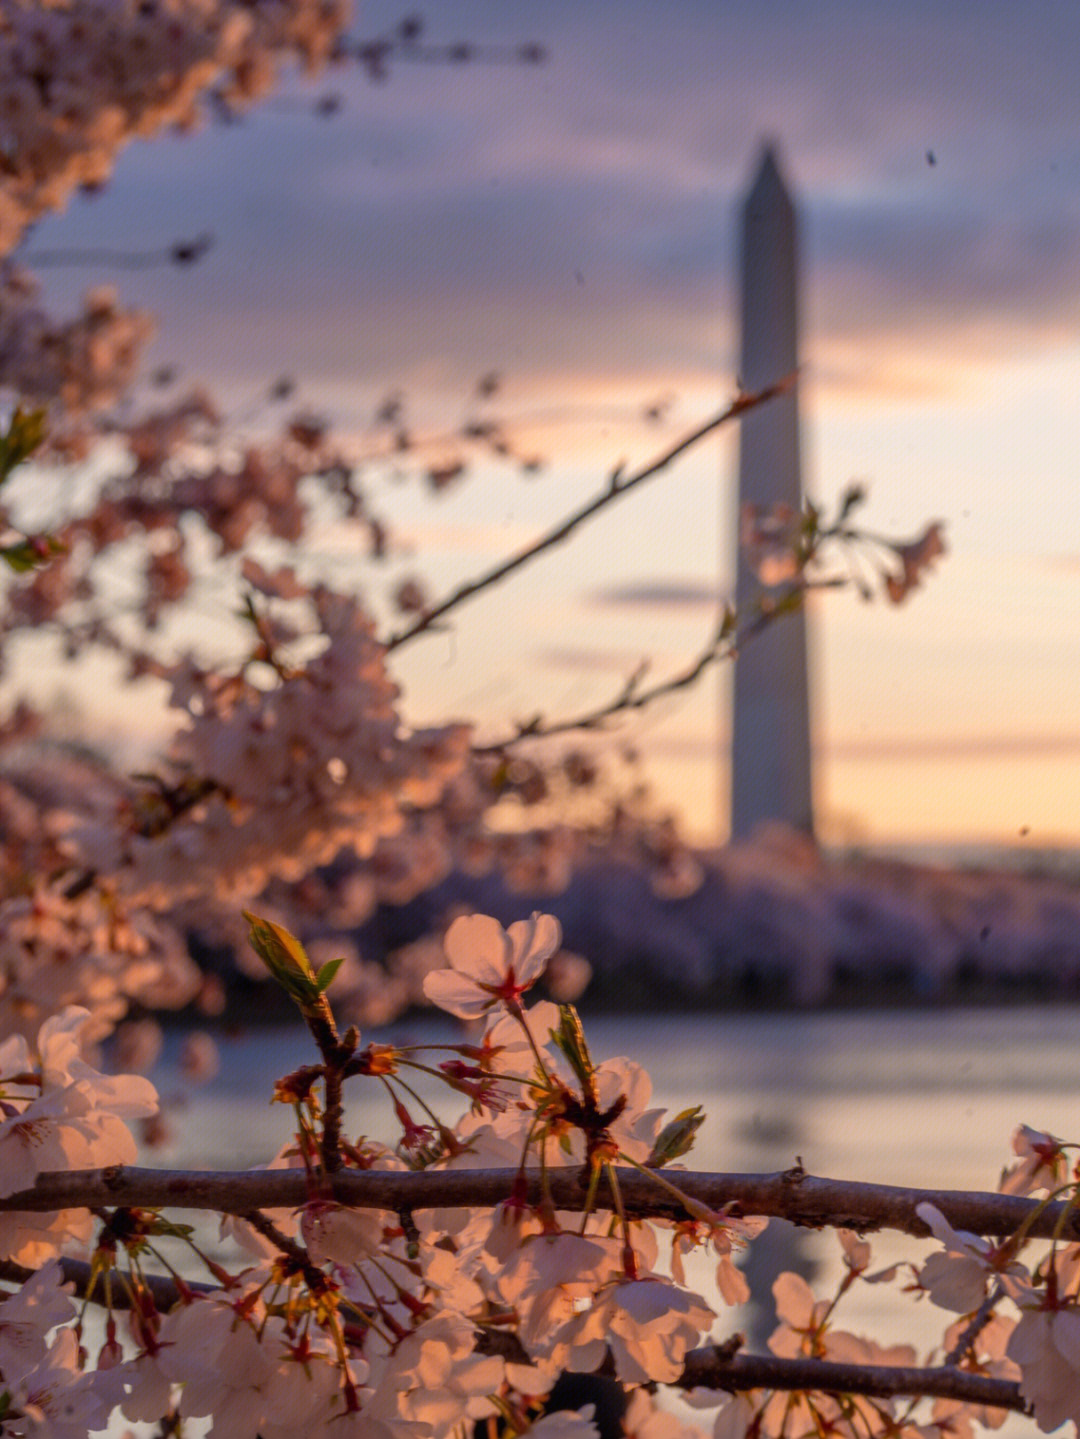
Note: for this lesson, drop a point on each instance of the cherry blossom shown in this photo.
(1046, 1345)
(985, 1354)
(359, 1321)
(490, 966)
(118, 72)
(56, 1399)
(957, 1278)
(566, 1424)
(915, 558)
(644, 1420)
(334, 1234)
(650, 1325)
(737, 1416)
(723, 1236)
(443, 1380)
(770, 541)
(75, 1119)
(1043, 1162)
(26, 1318)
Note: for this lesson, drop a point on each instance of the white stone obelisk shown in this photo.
(770, 750)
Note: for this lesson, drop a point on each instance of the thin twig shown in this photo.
(979, 1321)
(618, 485)
(725, 644)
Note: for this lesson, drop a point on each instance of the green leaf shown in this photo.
(676, 1138)
(326, 974)
(27, 554)
(169, 1228)
(25, 432)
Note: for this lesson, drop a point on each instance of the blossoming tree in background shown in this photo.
(445, 1274)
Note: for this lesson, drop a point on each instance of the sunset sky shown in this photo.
(573, 226)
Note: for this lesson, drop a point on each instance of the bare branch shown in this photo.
(617, 486)
(721, 1366)
(803, 1198)
(708, 1369)
(93, 1286)
(725, 644)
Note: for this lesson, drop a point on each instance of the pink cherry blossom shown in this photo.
(956, 1279)
(1043, 1162)
(27, 1316)
(644, 1420)
(334, 1234)
(490, 966)
(1046, 1345)
(73, 1117)
(724, 1235)
(915, 557)
(566, 1424)
(59, 1400)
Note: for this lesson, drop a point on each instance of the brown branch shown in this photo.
(725, 644)
(721, 1366)
(708, 1369)
(617, 486)
(92, 1286)
(805, 1199)
(978, 1323)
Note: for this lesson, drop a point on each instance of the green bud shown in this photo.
(25, 432)
(168, 1228)
(570, 1038)
(284, 957)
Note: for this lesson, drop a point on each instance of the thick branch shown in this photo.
(617, 486)
(803, 1198)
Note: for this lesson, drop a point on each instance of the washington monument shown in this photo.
(770, 749)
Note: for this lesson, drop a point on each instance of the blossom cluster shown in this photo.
(410, 1322)
(80, 79)
(349, 1318)
(331, 1317)
(80, 364)
(59, 1113)
(285, 776)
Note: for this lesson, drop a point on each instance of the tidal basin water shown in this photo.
(892, 1097)
(922, 1098)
